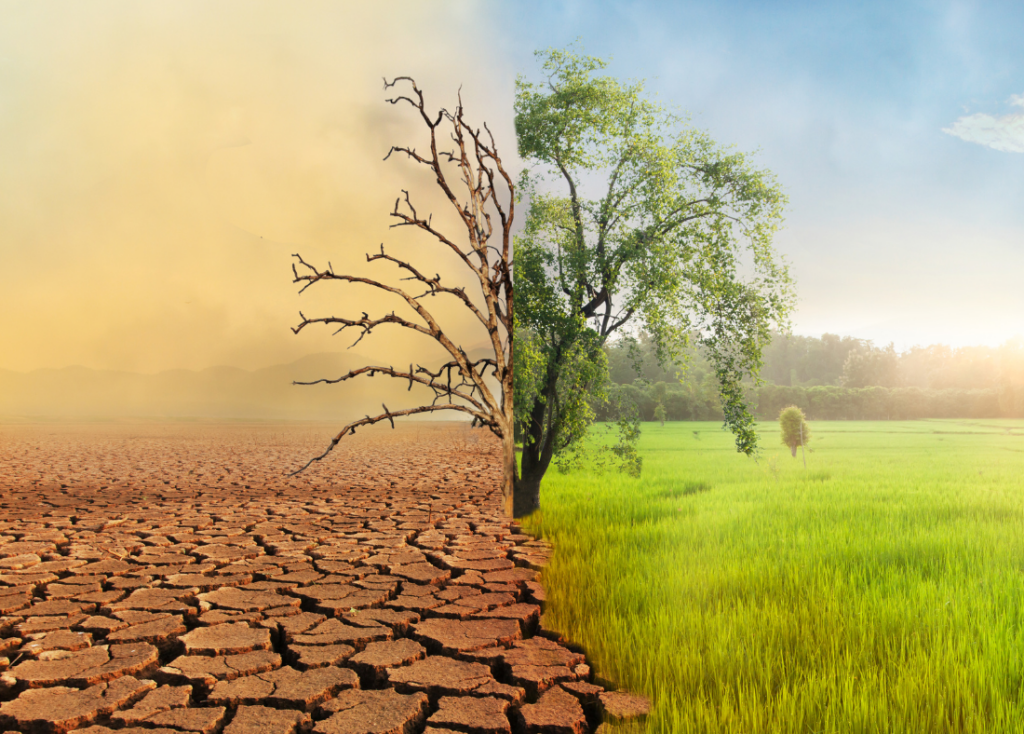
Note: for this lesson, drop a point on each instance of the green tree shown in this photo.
(807, 361)
(636, 221)
(795, 432)
(659, 413)
(872, 366)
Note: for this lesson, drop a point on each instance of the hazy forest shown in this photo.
(830, 378)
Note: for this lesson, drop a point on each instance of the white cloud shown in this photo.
(1004, 133)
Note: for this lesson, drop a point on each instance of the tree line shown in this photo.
(829, 378)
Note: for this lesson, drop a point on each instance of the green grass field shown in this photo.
(878, 590)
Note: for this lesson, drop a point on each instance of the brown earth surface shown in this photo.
(169, 577)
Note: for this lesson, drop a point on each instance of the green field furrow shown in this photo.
(878, 590)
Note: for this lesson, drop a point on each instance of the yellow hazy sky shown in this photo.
(161, 161)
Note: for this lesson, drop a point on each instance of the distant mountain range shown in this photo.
(216, 392)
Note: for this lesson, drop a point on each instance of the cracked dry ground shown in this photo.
(169, 578)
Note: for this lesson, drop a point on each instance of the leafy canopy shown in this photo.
(636, 221)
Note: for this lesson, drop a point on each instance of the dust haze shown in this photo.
(162, 161)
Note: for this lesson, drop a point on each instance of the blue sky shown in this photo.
(896, 229)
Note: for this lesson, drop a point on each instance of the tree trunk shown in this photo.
(527, 488)
(527, 496)
(510, 474)
(792, 450)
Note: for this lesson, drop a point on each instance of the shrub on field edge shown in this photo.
(795, 432)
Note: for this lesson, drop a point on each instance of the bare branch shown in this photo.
(388, 415)
(461, 384)
(433, 283)
(441, 390)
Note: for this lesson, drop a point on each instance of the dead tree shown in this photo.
(461, 384)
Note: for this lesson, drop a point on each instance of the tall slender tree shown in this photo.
(472, 178)
(636, 221)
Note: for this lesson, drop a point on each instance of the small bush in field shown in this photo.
(795, 432)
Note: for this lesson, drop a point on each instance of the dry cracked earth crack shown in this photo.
(168, 579)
